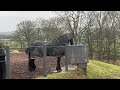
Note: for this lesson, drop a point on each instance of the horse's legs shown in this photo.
(71, 42)
(58, 67)
(31, 64)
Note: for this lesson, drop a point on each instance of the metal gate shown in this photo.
(77, 54)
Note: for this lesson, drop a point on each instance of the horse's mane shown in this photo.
(39, 43)
(62, 40)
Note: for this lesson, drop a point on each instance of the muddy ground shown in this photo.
(19, 66)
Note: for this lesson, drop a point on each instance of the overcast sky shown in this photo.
(9, 19)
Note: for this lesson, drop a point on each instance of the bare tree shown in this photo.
(72, 19)
(99, 29)
(88, 30)
(26, 30)
(51, 28)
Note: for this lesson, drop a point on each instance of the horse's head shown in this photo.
(70, 37)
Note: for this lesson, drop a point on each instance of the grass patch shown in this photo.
(95, 70)
(101, 70)
(73, 74)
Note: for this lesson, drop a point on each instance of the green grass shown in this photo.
(95, 70)
(74, 74)
(101, 70)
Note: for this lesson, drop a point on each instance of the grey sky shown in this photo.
(9, 19)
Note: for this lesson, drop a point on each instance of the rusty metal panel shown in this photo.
(76, 54)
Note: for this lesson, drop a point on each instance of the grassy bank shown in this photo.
(95, 70)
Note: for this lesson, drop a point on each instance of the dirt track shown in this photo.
(19, 66)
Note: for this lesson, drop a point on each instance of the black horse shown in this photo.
(51, 51)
